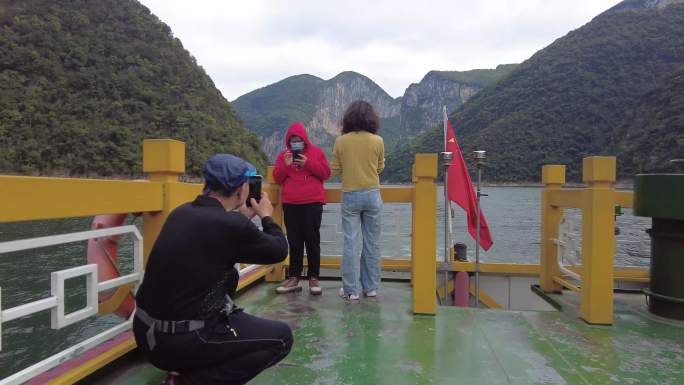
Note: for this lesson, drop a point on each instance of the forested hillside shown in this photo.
(82, 83)
(317, 103)
(654, 132)
(570, 100)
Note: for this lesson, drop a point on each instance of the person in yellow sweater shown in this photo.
(359, 157)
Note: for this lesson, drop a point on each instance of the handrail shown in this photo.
(38, 198)
(597, 202)
(56, 301)
(24, 198)
(53, 198)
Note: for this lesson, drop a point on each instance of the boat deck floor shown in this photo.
(379, 341)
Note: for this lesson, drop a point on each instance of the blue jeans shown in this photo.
(361, 213)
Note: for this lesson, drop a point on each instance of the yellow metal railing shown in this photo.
(39, 198)
(423, 198)
(597, 202)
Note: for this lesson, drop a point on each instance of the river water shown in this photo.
(513, 214)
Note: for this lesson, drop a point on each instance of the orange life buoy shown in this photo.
(104, 252)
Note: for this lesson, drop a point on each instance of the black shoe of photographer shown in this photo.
(290, 286)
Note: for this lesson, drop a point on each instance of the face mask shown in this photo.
(297, 146)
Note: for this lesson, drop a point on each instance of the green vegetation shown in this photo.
(82, 83)
(654, 133)
(398, 162)
(315, 102)
(479, 77)
(279, 105)
(568, 101)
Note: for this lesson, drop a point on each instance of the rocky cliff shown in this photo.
(421, 106)
(319, 104)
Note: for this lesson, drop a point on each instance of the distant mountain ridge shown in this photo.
(319, 104)
(642, 4)
(422, 103)
(572, 99)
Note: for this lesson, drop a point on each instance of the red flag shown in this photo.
(460, 190)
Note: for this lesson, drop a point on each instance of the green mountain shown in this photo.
(83, 82)
(569, 100)
(479, 77)
(654, 131)
(317, 103)
(422, 103)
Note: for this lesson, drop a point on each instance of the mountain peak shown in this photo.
(348, 75)
(577, 97)
(642, 4)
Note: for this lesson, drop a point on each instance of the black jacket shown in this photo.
(191, 266)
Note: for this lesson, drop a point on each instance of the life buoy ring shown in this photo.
(104, 253)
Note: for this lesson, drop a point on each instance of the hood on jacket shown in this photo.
(297, 129)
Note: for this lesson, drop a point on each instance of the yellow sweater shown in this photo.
(358, 157)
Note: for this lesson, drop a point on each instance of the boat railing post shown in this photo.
(414, 180)
(273, 190)
(164, 162)
(424, 250)
(598, 240)
(553, 177)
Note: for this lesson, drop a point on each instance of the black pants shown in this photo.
(216, 355)
(303, 223)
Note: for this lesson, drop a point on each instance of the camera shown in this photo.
(254, 189)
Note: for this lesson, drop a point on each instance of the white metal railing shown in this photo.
(55, 303)
(569, 251)
(569, 246)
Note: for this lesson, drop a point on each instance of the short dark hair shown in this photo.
(360, 116)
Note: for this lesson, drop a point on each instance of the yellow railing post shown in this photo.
(273, 190)
(424, 250)
(163, 161)
(598, 240)
(553, 177)
(413, 215)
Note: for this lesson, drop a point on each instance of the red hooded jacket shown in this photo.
(301, 185)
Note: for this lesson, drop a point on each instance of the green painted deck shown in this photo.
(378, 341)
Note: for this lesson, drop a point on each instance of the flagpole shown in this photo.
(479, 157)
(447, 212)
(446, 195)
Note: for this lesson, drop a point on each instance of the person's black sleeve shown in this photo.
(262, 247)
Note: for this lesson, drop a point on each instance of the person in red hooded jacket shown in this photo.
(301, 170)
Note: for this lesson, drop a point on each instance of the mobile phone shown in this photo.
(296, 154)
(254, 189)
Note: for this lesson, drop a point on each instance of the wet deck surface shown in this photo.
(378, 341)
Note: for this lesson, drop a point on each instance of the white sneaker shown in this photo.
(348, 297)
(372, 293)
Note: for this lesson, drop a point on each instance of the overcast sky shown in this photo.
(247, 44)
